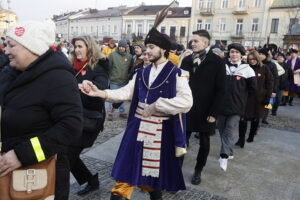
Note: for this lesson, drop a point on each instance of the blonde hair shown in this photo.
(93, 52)
(255, 55)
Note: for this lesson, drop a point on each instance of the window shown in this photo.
(209, 4)
(72, 29)
(115, 28)
(139, 30)
(255, 25)
(207, 25)
(170, 12)
(182, 31)
(172, 32)
(257, 3)
(201, 4)
(81, 28)
(292, 22)
(239, 27)
(128, 29)
(224, 4)
(186, 12)
(91, 29)
(274, 25)
(222, 27)
(242, 3)
(163, 29)
(199, 24)
(103, 28)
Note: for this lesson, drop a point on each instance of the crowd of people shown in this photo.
(53, 102)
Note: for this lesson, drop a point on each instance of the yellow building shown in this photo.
(7, 18)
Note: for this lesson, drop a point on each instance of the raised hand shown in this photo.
(88, 88)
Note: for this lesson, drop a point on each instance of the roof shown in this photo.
(147, 10)
(285, 4)
(111, 12)
(178, 12)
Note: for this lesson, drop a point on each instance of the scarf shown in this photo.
(198, 58)
(77, 64)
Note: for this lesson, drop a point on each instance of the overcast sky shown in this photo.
(42, 9)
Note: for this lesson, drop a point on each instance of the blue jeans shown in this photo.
(110, 107)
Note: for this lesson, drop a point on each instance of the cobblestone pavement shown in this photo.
(113, 128)
(106, 183)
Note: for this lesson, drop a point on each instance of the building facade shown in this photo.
(244, 21)
(124, 23)
(139, 21)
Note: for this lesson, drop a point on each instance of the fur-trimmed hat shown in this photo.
(238, 47)
(156, 37)
(159, 39)
(37, 37)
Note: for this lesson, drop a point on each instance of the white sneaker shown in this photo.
(231, 157)
(223, 163)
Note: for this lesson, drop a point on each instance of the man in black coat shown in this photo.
(207, 78)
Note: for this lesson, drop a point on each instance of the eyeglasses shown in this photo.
(252, 59)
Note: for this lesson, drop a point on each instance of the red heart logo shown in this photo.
(83, 72)
(238, 78)
(258, 74)
(19, 31)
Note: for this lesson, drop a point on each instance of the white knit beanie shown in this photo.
(37, 37)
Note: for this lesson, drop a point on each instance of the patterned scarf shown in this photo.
(198, 58)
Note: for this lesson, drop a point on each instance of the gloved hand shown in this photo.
(149, 110)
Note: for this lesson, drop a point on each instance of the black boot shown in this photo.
(196, 179)
(284, 101)
(291, 101)
(155, 195)
(242, 133)
(93, 184)
(253, 130)
(116, 197)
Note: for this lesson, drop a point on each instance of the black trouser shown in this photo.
(62, 183)
(78, 168)
(204, 141)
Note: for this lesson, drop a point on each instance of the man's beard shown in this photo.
(155, 59)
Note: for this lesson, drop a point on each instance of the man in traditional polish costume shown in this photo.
(154, 138)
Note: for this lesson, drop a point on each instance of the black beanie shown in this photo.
(264, 51)
(238, 47)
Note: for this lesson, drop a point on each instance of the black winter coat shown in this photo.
(44, 102)
(256, 103)
(7, 75)
(207, 85)
(287, 76)
(93, 107)
(238, 86)
(273, 69)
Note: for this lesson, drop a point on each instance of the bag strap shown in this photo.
(84, 66)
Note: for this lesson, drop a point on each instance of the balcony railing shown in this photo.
(237, 35)
(207, 11)
(240, 10)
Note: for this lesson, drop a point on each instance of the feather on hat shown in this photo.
(154, 36)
